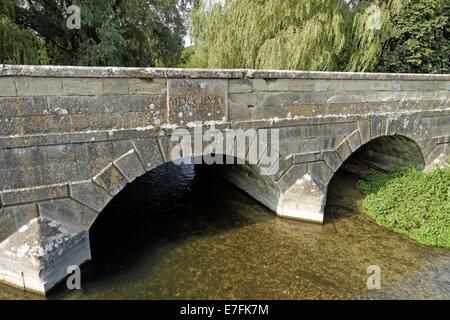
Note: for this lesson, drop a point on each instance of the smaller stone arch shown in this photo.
(370, 130)
(304, 185)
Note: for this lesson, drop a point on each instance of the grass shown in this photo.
(410, 202)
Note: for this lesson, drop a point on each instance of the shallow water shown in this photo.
(181, 233)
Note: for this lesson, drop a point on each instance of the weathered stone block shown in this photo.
(428, 148)
(34, 194)
(111, 180)
(115, 86)
(28, 86)
(344, 150)
(291, 176)
(279, 99)
(319, 171)
(420, 95)
(90, 194)
(437, 157)
(370, 85)
(423, 85)
(278, 85)
(240, 86)
(82, 86)
(68, 211)
(332, 159)
(308, 145)
(437, 125)
(311, 208)
(314, 131)
(12, 218)
(376, 127)
(303, 85)
(43, 124)
(291, 98)
(364, 127)
(148, 86)
(149, 152)
(197, 100)
(306, 157)
(130, 165)
(354, 140)
(36, 257)
(238, 112)
(340, 98)
(244, 99)
(7, 87)
(22, 107)
(329, 85)
(284, 165)
(424, 138)
(357, 97)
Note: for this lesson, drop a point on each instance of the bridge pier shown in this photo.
(35, 258)
(305, 200)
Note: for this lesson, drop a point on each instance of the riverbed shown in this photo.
(180, 232)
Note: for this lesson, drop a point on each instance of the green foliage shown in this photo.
(17, 44)
(113, 32)
(291, 34)
(412, 203)
(186, 57)
(420, 40)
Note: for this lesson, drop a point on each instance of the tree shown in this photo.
(291, 34)
(113, 32)
(18, 45)
(420, 40)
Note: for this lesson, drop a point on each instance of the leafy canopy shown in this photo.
(291, 34)
(420, 40)
(113, 32)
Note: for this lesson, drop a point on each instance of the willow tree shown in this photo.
(18, 44)
(291, 34)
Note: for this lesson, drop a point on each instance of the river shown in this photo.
(181, 233)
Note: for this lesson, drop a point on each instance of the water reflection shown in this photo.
(181, 233)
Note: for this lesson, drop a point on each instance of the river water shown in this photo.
(181, 233)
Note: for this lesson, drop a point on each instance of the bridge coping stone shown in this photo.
(121, 72)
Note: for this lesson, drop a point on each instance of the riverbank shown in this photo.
(410, 202)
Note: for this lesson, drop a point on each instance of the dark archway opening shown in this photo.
(382, 155)
(171, 206)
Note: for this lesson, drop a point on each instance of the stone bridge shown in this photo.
(71, 138)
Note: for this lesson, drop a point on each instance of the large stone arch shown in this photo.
(88, 198)
(58, 235)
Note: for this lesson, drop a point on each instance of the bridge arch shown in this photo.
(88, 198)
(407, 134)
(304, 186)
